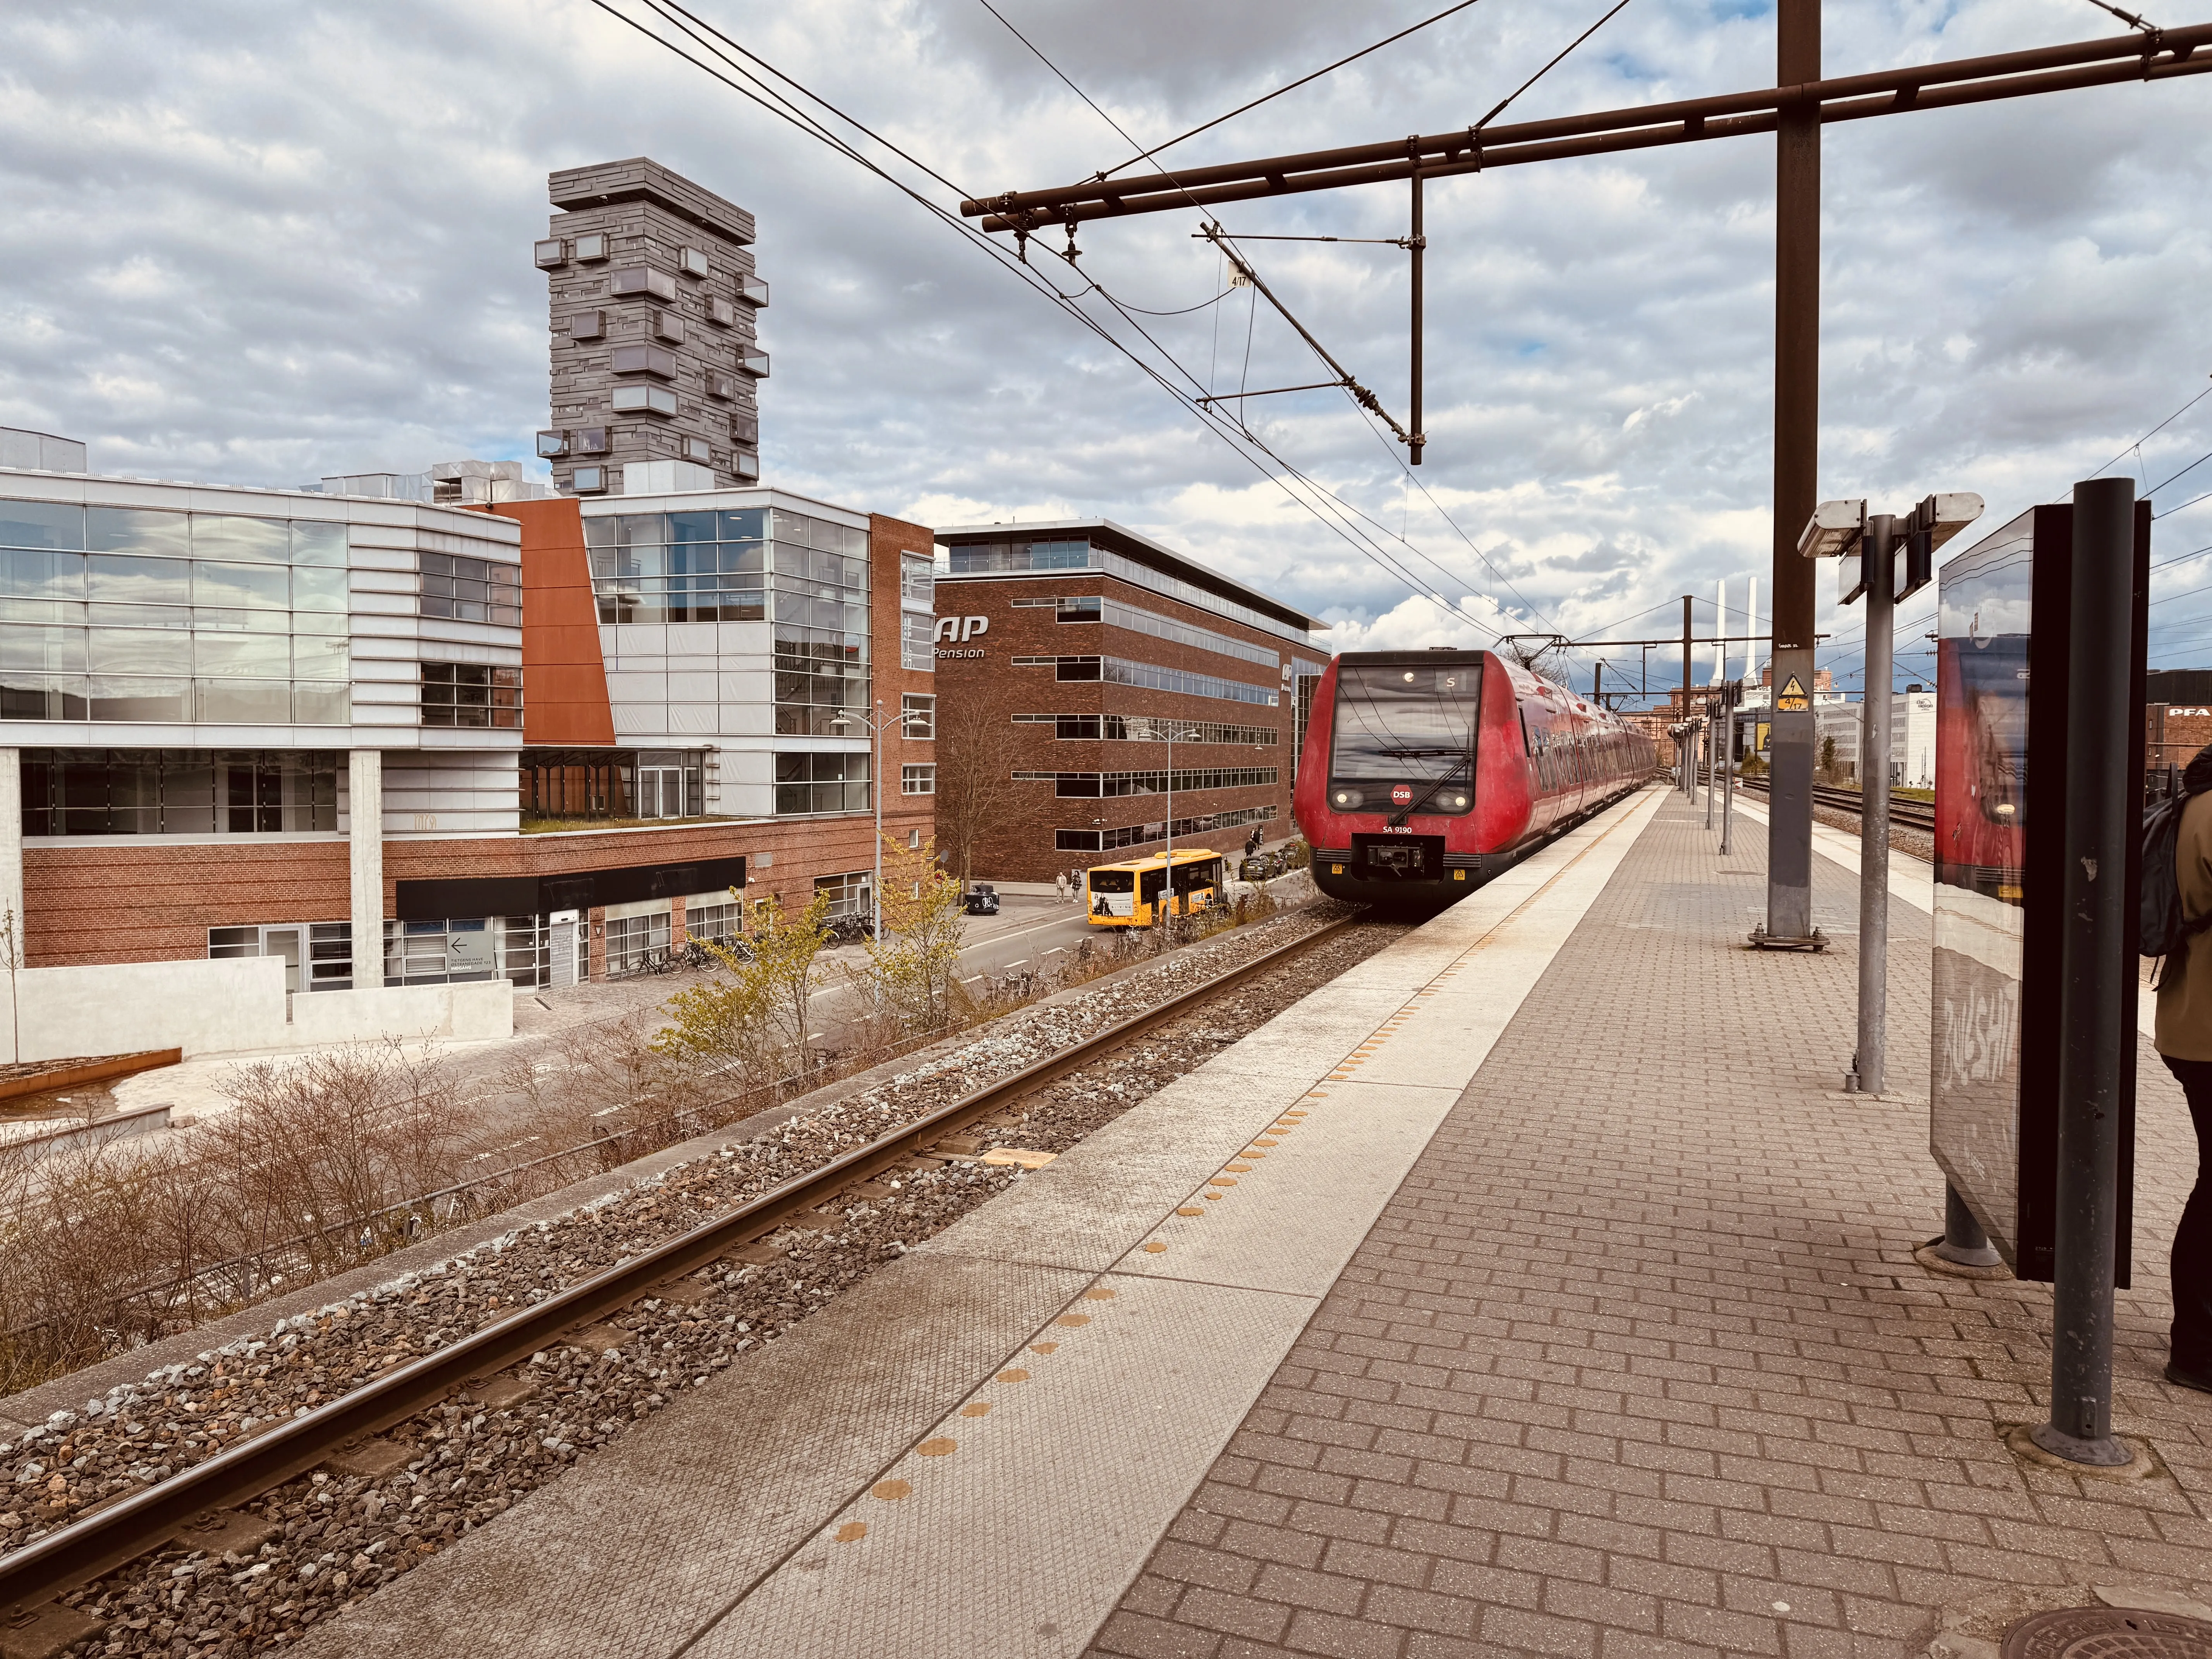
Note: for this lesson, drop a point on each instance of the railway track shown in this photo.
(1904, 813)
(199, 1506)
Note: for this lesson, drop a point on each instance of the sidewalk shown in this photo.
(1638, 1360)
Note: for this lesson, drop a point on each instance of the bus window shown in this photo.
(1149, 891)
(1188, 877)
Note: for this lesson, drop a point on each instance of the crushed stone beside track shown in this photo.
(344, 1535)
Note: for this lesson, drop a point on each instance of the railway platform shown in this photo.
(1530, 1288)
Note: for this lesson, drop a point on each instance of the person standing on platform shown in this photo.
(2184, 1042)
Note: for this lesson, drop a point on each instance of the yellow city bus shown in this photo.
(1128, 894)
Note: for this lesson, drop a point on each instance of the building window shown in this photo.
(472, 590)
(643, 279)
(667, 325)
(593, 246)
(1085, 785)
(589, 440)
(745, 465)
(551, 254)
(918, 582)
(918, 779)
(720, 312)
(693, 262)
(461, 950)
(643, 399)
(551, 446)
(588, 480)
(588, 325)
(914, 841)
(744, 429)
(144, 615)
(561, 786)
(815, 784)
(1137, 835)
(719, 922)
(1150, 728)
(178, 792)
(644, 359)
(919, 716)
(636, 942)
(471, 694)
(917, 643)
(318, 954)
(848, 893)
(695, 449)
(721, 386)
(1119, 670)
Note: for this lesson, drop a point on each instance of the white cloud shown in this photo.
(262, 244)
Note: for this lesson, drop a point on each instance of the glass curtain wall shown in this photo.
(178, 792)
(144, 614)
(807, 576)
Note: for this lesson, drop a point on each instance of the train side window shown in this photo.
(1528, 742)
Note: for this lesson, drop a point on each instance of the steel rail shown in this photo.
(1904, 813)
(2158, 55)
(96, 1544)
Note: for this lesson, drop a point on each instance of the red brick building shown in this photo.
(1072, 658)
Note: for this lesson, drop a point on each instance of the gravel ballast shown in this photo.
(464, 1462)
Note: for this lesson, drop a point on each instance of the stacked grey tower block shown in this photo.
(655, 352)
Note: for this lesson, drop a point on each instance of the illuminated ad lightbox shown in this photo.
(2002, 658)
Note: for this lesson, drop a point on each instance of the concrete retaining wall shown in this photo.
(224, 1007)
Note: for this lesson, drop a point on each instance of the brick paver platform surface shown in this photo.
(1639, 1362)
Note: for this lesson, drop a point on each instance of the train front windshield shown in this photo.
(1404, 735)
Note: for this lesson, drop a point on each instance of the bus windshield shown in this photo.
(1403, 722)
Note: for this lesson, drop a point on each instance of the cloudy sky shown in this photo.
(260, 242)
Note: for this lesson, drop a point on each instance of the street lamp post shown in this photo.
(1169, 875)
(875, 729)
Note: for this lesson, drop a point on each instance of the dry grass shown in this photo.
(335, 1159)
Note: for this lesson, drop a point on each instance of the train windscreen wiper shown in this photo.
(1423, 799)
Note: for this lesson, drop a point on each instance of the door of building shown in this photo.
(568, 950)
(661, 792)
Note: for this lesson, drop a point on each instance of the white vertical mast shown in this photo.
(1720, 633)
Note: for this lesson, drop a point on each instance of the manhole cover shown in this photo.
(2108, 1633)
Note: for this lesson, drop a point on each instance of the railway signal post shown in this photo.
(1868, 545)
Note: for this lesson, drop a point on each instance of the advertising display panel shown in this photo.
(2001, 656)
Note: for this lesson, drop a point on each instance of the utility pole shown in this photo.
(1878, 562)
(1797, 445)
(1689, 771)
(2100, 823)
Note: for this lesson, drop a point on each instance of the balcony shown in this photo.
(645, 359)
(643, 279)
(752, 361)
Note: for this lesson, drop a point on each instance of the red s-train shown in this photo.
(1425, 773)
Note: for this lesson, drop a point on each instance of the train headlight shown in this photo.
(1459, 800)
(1345, 799)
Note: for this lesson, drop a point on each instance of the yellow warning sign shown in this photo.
(1766, 729)
(1791, 699)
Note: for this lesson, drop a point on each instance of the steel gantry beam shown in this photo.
(1796, 108)
(2152, 56)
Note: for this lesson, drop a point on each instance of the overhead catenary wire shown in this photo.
(1317, 500)
(1303, 80)
(1361, 397)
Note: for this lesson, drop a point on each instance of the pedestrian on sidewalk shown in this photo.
(2184, 1042)
(1060, 882)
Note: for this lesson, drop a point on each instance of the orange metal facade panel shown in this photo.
(564, 678)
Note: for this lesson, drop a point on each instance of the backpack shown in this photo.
(2161, 928)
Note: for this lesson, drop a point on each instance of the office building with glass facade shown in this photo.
(264, 722)
(1098, 659)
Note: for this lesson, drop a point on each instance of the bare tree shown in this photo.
(976, 754)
